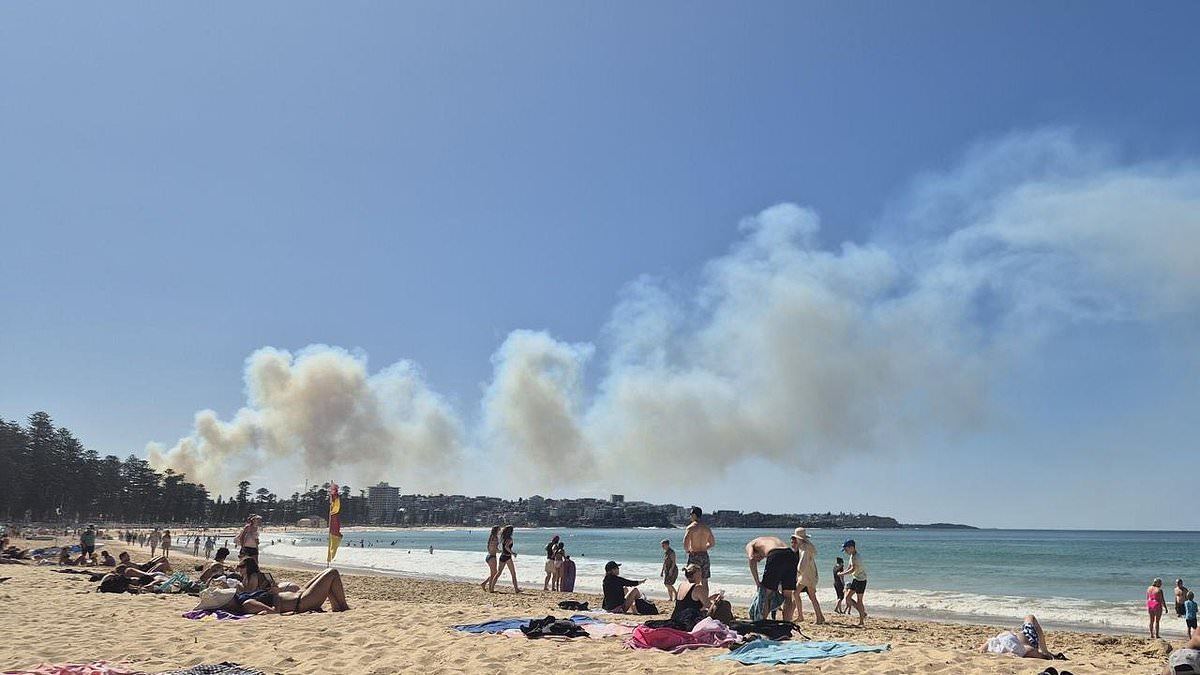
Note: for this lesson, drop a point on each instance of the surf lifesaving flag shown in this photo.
(335, 521)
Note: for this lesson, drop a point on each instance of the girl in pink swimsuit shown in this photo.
(1154, 605)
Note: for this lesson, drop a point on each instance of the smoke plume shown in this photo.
(790, 350)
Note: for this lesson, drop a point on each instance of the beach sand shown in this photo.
(403, 625)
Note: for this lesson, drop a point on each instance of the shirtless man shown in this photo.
(697, 540)
(779, 573)
(1181, 592)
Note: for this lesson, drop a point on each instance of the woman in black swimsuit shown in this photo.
(691, 594)
(259, 594)
(506, 557)
(493, 548)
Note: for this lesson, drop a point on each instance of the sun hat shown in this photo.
(800, 533)
(611, 565)
(848, 543)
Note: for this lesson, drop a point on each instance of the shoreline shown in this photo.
(946, 618)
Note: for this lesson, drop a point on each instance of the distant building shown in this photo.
(617, 499)
(382, 502)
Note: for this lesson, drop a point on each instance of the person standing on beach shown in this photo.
(196, 545)
(839, 586)
(87, 543)
(1181, 592)
(208, 546)
(506, 558)
(1155, 603)
(247, 537)
(670, 568)
(806, 571)
(153, 541)
(779, 574)
(697, 541)
(1189, 613)
(165, 543)
(493, 549)
(858, 581)
(550, 561)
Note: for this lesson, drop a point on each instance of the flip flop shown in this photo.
(1050, 671)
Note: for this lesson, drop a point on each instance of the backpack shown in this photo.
(722, 611)
(644, 606)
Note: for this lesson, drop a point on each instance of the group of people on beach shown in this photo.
(1185, 606)
(789, 572)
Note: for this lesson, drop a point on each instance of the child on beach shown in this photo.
(1189, 614)
(839, 586)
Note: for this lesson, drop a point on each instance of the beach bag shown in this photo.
(644, 606)
(215, 598)
(722, 611)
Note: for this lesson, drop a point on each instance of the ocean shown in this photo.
(1089, 580)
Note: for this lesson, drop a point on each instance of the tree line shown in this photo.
(50, 476)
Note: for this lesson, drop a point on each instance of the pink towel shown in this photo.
(707, 633)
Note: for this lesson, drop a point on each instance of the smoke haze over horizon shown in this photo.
(792, 349)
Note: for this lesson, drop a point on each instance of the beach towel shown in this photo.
(226, 668)
(707, 633)
(770, 652)
(94, 668)
(501, 625)
(220, 614)
(761, 607)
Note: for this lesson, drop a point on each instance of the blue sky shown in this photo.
(182, 186)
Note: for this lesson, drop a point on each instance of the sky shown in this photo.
(932, 260)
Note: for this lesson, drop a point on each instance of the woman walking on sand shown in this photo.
(166, 544)
(493, 549)
(1155, 603)
(506, 558)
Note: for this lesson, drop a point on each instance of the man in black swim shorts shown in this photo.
(779, 573)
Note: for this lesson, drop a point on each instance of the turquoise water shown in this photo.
(1078, 578)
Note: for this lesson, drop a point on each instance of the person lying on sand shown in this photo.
(258, 593)
(1028, 641)
(155, 564)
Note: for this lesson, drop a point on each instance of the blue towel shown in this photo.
(770, 652)
(501, 625)
(757, 608)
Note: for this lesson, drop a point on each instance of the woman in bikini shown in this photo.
(506, 558)
(259, 594)
(493, 548)
(1155, 603)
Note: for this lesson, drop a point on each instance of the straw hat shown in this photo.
(800, 533)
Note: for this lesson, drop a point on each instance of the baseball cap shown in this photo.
(611, 565)
(1185, 661)
(848, 543)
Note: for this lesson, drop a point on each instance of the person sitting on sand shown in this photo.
(1029, 641)
(1186, 659)
(691, 594)
(107, 560)
(217, 567)
(616, 598)
(258, 593)
(64, 556)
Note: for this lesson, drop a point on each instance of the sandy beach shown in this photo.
(403, 625)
